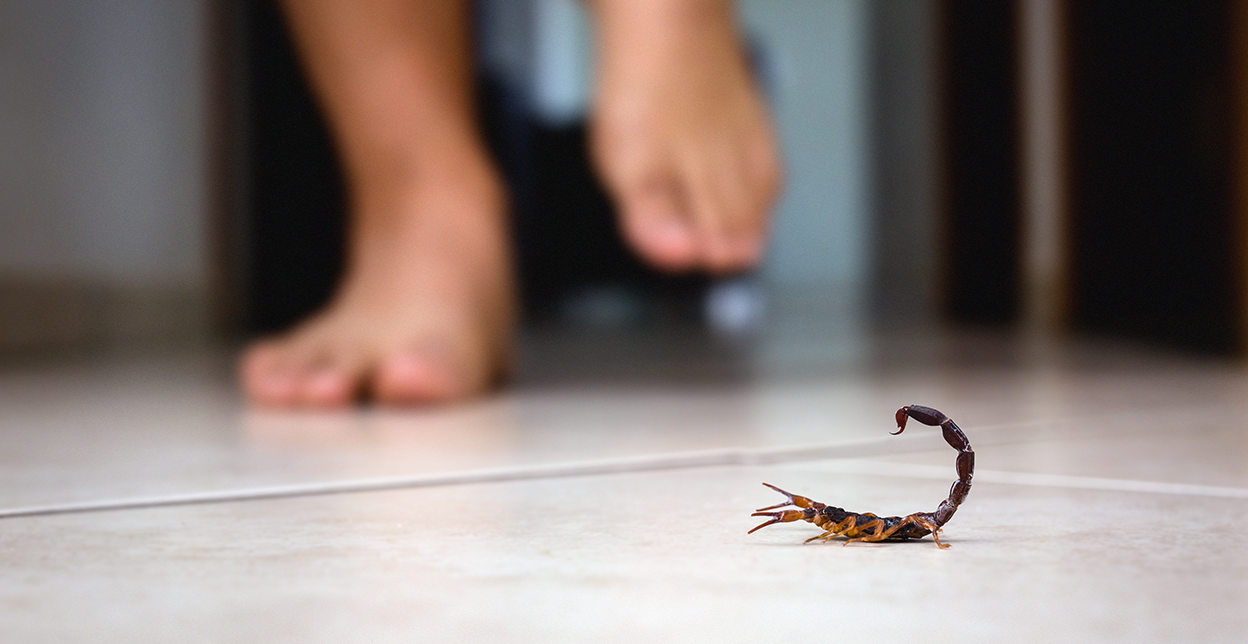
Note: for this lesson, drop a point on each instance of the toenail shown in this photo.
(418, 377)
(326, 382)
(671, 243)
(669, 233)
(276, 386)
(429, 364)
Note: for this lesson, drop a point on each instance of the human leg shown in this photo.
(681, 135)
(425, 308)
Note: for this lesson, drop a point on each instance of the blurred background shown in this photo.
(1037, 165)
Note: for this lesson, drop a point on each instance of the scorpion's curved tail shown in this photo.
(957, 440)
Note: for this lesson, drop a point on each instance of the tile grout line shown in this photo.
(890, 468)
(1113, 485)
(684, 460)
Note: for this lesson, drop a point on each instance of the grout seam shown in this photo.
(888, 468)
(839, 452)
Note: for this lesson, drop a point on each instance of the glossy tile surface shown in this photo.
(1108, 503)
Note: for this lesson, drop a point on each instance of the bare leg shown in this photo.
(425, 310)
(681, 135)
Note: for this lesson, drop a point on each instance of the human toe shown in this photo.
(668, 243)
(418, 377)
(724, 253)
(327, 387)
(267, 379)
(656, 228)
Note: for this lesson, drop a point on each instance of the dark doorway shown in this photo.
(1152, 234)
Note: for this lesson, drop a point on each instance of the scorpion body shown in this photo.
(838, 522)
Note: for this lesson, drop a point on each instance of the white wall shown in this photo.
(818, 57)
(102, 122)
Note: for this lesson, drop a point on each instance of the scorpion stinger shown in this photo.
(837, 522)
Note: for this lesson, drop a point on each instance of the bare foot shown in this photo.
(681, 135)
(425, 311)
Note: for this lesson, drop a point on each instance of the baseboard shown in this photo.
(54, 314)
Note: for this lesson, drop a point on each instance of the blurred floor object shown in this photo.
(1106, 505)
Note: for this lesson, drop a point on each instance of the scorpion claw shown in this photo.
(777, 517)
(799, 501)
(808, 509)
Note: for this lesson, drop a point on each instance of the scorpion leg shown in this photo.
(878, 524)
(881, 534)
(930, 526)
(837, 530)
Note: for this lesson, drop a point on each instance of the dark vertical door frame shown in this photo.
(981, 243)
(1154, 241)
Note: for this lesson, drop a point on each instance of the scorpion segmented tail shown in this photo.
(957, 440)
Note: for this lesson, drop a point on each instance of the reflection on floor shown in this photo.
(606, 494)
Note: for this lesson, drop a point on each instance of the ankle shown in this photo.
(394, 162)
(660, 40)
(677, 13)
(636, 28)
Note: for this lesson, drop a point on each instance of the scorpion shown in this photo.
(838, 522)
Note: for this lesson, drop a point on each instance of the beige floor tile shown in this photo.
(631, 557)
(1207, 446)
(1107, 506)
(140, 427)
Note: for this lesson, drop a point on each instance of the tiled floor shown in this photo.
(606, 497)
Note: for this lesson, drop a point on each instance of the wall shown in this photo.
(816, 57)
(102, 115)
(102, 148)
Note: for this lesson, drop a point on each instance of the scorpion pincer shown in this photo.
(838, 522)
